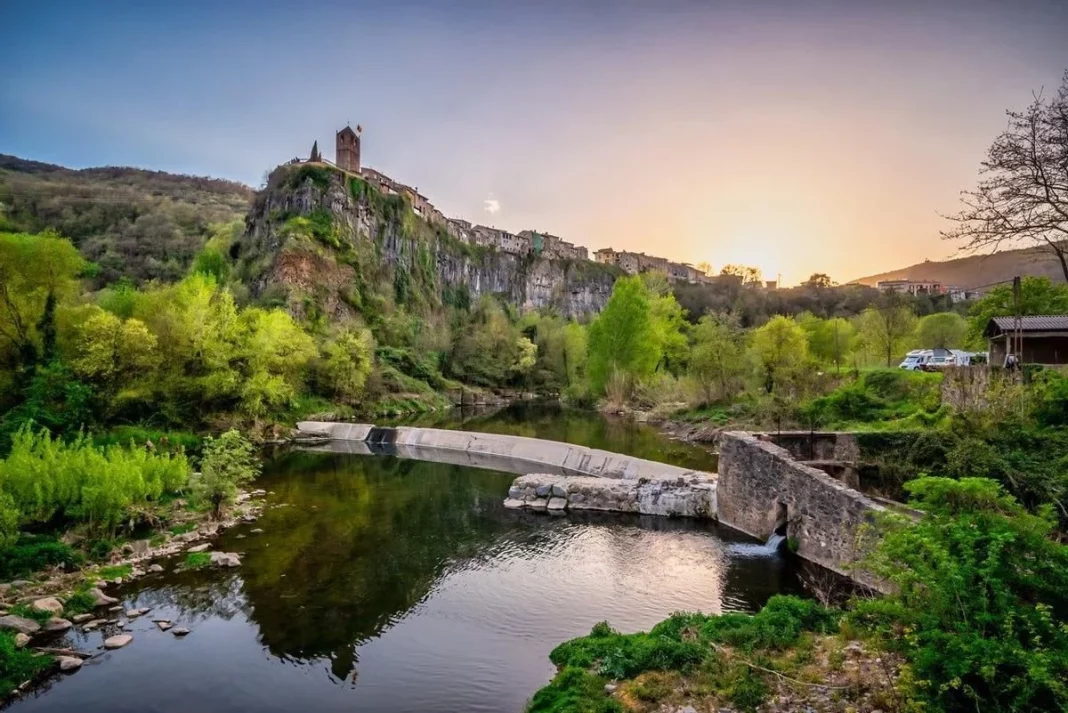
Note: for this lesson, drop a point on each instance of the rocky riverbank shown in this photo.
(41, 608)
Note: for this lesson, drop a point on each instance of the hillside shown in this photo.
(131, 222)
(977, 270)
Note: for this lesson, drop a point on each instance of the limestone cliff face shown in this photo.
(318, 239)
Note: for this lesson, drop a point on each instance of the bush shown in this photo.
(981, 603)
(778, 625)
(31, 553)
(227, 465)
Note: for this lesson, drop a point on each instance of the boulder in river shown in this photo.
(20, 624)
(118, 641)
(225, 559)
(69, 664)
(48, 604)
(179, 631)
(200, 548)
(163, 624)
(21, 640)
(81, 618)
(156, 568)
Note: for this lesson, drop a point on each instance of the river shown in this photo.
(389, 585)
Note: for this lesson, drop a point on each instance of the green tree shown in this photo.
(624, 336)
(273, 355)
(486, 350)
(345, 362)
(887, 328)
(778, 349)
(829, 340)
(110, 352)
(943, 330)
(229, 463)
(36, 272)
(716, 360)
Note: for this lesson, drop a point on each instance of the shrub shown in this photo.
(47, 479)
(779, 624)
(30, 553)
(197, 560)
(227, 465)
(981, 603)
(18, 665)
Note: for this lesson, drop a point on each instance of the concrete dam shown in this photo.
(760, 488)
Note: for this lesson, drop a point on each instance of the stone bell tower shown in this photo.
(347, 156)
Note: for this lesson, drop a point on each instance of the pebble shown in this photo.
(155, 569)
(179, 631)
(134, 613)
(610, 688)
(57, 624)
(256, 530)
(200, 548)
(115, 608)
(164, 625)
(81, 618)
(117, 642)
(21, 640)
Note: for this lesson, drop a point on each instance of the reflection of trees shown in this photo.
(198, 597)
(362, 541)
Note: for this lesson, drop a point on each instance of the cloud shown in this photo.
(491, 205)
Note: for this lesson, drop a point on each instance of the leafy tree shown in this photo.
(274, 353)
(716, 361)
(669, 321)
(945, 330)
(818, 281)
(111, 352)
(486, 350)
(829, 340)
(345, 362)
(886, 328)
(1022, 196)
(1038, 295)
(778, 348)
(36, 271)
(624, 338)
(576, 356)
(228, 464)
(526, 356)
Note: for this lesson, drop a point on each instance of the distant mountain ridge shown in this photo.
(132, 222)
(977, 271)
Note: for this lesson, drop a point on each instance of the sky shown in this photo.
(795, 136)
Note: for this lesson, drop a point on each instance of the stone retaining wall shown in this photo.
(761, 488)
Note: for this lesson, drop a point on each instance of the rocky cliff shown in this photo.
(325, 243)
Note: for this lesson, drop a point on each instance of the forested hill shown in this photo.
(977, 270)
(128, 221)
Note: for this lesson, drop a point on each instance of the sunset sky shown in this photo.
(794, 136)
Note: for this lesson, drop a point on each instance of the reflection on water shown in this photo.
(381, 584)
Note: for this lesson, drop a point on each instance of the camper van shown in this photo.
(915, 360)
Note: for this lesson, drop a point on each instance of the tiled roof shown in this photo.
(1035, 323)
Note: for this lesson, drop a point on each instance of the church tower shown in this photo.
(347, 156)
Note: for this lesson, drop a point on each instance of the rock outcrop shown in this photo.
(321, 240)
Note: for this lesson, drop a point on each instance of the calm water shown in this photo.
(382, 584)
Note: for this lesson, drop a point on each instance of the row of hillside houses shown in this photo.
(926, 287)
(634, 263)
(526, 242)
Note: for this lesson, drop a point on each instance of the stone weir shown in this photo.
(554, 476)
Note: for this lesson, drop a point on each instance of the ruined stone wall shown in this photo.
(761, 486)
(967, 388)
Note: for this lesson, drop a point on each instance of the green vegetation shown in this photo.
(18, 665)
(197, 560)
(30, 553)
(978, 620)
(130, 223)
